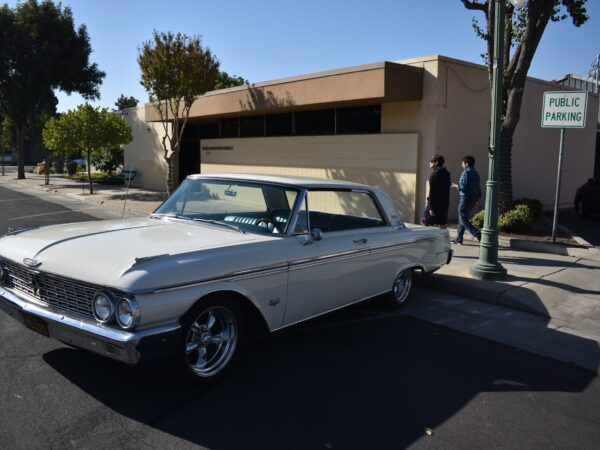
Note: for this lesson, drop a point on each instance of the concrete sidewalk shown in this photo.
(564, 289)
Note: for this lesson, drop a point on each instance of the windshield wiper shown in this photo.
(166, 215)
(195, 219)
(218, 222)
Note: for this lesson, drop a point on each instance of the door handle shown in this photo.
(360, 241)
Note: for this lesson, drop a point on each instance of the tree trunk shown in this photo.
(21, 152)
(505, 171)
(47, 170)
(170, 183)
(89, 171)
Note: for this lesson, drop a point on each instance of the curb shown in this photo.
(481, 290)
(585, 251)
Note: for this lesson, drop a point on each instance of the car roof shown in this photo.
(294, 181)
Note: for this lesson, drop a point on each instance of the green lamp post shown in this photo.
(488, 266)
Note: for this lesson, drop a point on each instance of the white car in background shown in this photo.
(224, 254)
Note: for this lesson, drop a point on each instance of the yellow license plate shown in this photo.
(35, 323)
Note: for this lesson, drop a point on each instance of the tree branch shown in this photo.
(475, 5)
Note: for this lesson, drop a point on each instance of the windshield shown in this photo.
(250, 206)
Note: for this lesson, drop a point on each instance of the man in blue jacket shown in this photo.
(470, 194)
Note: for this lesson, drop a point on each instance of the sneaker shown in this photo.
(457, 242)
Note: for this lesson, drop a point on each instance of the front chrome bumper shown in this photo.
(144, 347)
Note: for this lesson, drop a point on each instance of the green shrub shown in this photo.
(517, 220)
(97, 177)
(534, 205)
(477, 219)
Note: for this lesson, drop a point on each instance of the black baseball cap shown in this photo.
(437, 159)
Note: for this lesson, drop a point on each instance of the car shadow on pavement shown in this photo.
(329, 383)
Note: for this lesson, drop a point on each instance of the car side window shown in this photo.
(337, 210)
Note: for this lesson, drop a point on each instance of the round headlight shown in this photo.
(104, 307)
(128, 313)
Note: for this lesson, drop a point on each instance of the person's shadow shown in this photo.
(330, 383)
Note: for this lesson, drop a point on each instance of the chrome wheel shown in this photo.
(402, 286)
(211, 341)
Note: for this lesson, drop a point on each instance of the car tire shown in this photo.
(581, 210)
(212, 335)
(401, 289)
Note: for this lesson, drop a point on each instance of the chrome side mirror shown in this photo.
(315, 235)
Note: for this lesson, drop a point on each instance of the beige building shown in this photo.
(376, 124)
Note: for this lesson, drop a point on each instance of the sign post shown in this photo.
(563, 109)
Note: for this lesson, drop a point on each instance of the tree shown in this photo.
(126, 102)
(87, 130)
(6, 140)
(40, 51)
(523, 30)
(109, 160)
(175, 70)
(224, 81)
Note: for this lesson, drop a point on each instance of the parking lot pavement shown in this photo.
(358, 378)
(132, 202)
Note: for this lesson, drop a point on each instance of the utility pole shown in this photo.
(595, 73)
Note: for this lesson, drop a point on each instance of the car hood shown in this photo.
(101, 252)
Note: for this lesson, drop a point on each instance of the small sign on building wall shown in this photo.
(564, 109)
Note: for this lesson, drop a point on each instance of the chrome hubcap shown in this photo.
(211, 341)
(402, 285)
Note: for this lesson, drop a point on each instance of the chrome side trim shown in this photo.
(292, 265)
(241, 275)
(310, 262)
(390, 247)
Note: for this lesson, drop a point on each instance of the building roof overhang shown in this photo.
(358, 85)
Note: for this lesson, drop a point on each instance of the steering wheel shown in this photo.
(267, 220)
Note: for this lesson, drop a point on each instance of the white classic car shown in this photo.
(222, 255)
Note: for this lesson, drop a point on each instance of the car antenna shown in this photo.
(126, 191)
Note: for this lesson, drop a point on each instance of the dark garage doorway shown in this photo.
(189, 155)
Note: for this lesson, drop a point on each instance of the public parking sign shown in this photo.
(564, 109)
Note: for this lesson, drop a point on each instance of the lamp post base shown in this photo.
(487, 271)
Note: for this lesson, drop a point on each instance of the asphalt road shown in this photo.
(359, 378)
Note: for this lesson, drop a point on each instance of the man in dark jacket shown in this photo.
(436, 212)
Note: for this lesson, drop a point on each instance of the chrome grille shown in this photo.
(58, 292)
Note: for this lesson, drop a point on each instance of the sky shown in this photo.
(266, 40)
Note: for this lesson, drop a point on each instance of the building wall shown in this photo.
(452, 119)
(463, 124)
(145, 152)
(386, 161)
(418, 117)
(535, 150)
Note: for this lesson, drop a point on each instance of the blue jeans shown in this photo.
(465, 212)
